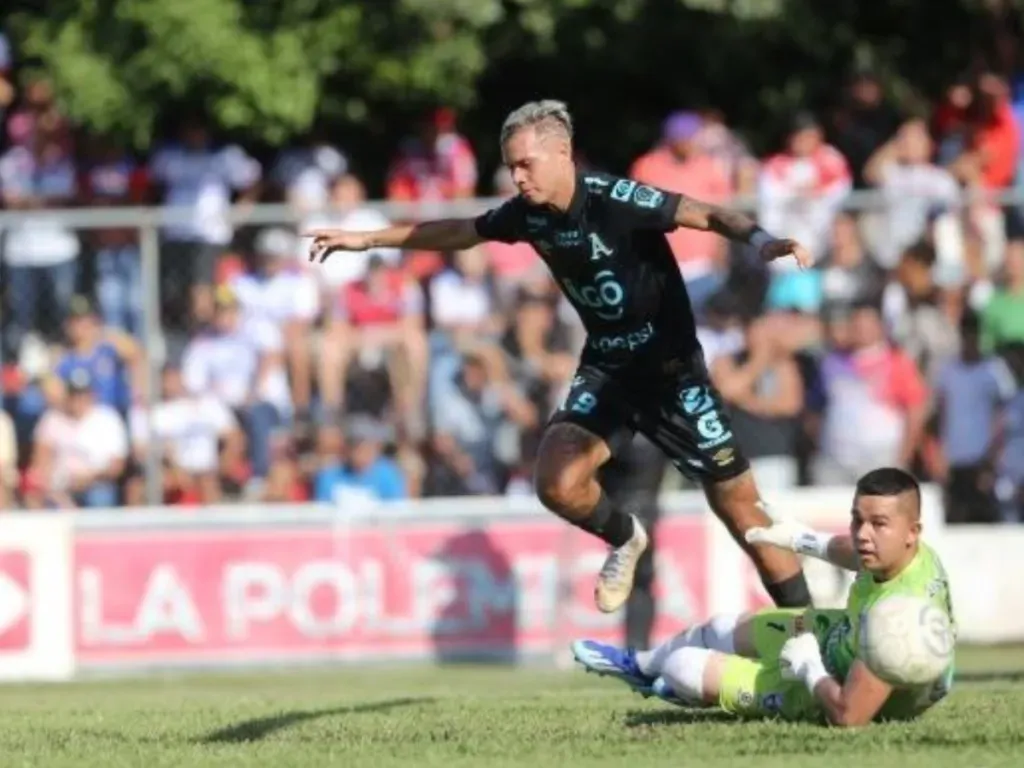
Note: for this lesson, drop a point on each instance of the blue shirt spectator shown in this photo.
(366, 470)
(105, 360)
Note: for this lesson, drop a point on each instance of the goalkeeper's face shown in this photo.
(885, 530)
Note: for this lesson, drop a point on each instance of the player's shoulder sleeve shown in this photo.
(639, 205)
(506, 223)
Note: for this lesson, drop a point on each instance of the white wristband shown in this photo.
(814, 673)
(813, 544)
(760, 238)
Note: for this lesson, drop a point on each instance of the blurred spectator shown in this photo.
(914, 315)
(377, 323)
(989, 156)
(463, 298)
(484, 411)
(1010, 466)
(6, 83)
(989, 160)
(802, 188)
(348, 210)
(278, 292)
(863, 123)
(679, 165)
(303, 175)
(285, 483)
(41, 256)
(362, 473)
(111, 178)
(721, 333)
(241, 363)
(876, 404)
(8, 461)
(451, 471)
(1003, 316)
(80, 448)
(111, 357)
(38, 118)
(188, 429)
(849, 273)
(438, 164)
(538, 349)
(195, 175)
(950, 124)
(763, 388)
(970, 391)
(719, 142)
(913, 188)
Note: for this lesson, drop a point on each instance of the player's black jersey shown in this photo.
(610, 255)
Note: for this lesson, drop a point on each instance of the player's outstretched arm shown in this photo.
(439, 235)
(852, 704)
(735, 225)
(784, 533)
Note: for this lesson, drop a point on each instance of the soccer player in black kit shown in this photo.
(642, 367)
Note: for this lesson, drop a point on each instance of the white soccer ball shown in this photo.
(906, 640)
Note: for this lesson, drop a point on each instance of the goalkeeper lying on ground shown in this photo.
(806, 664)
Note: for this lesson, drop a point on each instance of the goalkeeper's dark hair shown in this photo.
(889, 481)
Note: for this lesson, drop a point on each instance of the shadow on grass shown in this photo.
(642, 718)
(261, 727)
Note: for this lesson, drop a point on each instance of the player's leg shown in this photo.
(699, 677)
(759, 635)
(724, 633)
(735, 501)
(690, 424)
(581, 437)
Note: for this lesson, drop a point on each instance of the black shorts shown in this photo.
(672, 403)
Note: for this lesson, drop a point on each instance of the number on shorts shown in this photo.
(584, 403)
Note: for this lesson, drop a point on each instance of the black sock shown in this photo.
(607, 523)
(791, 593)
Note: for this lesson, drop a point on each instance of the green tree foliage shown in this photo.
(266, 71)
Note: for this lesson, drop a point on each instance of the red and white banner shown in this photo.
(35, 598)
(160, 597)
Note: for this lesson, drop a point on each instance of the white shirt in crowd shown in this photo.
(280, 298)
(336, 273)
(203, 180)
(457, 301)
(87, 445)
(306, 173)
(37, 243)
(911, 192)
(189, 427)
(226, 366)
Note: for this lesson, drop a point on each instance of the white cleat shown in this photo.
(615, 581)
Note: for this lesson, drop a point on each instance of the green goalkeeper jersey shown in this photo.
(925, 578)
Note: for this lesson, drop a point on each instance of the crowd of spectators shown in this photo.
(393, 374)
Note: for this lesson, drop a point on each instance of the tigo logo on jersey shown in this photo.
(15, 600)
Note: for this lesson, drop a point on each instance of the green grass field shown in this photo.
(477, 716)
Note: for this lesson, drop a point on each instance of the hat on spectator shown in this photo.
(276, 242)
(363, 428)
(79, 381)
(681, 126)
(81, 306)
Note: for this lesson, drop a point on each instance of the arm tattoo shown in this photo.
(729, 223)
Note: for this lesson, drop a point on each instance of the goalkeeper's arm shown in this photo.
(837, 549)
